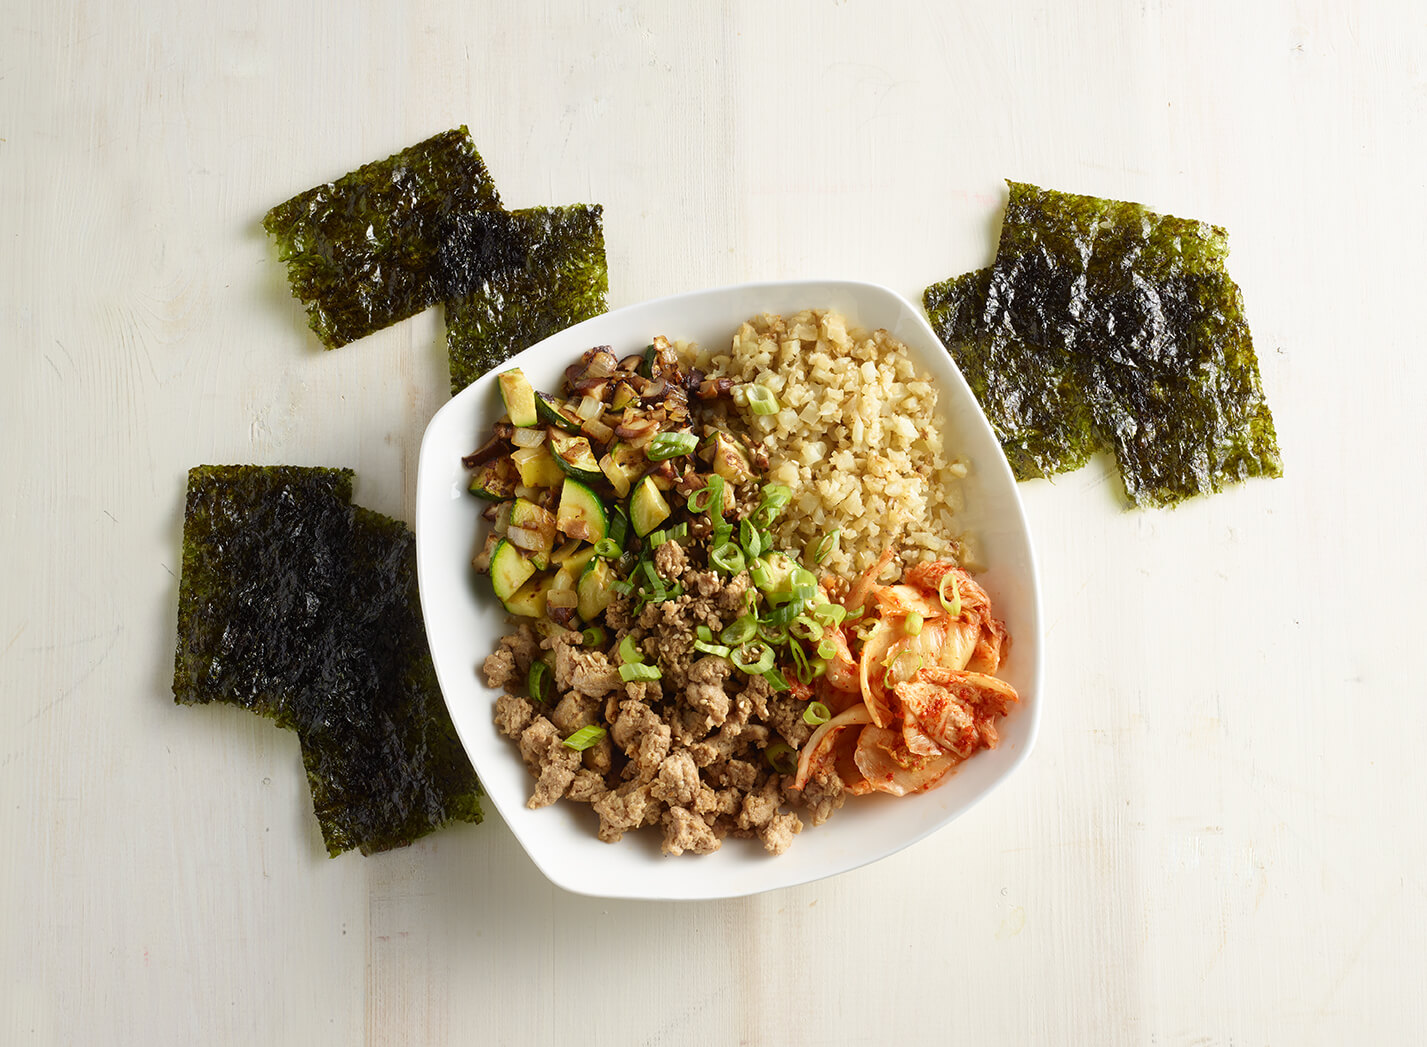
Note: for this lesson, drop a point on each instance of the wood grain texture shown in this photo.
(1219, 838)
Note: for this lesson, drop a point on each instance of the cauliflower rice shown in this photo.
(855, 437)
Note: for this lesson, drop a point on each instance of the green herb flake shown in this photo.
(1103, 325)
(385, 241)
(564, 280)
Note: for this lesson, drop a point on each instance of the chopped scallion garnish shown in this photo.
(537, 681)
(711, 648)
(776, 680)
(827, 649)
(804, 628)
(761, 399)
(607, 549)
(753, 658)
(727, 558)
(671, 445)
(739, 631)
(816, 714)
(637, 672)
(825, 546)
(953, 606)
(629, 652)
(913, 624)
(584, 738)
(594, 636)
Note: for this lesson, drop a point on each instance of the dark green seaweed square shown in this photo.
(303, 608)
(1029, 393)
(367, 250)
(262, 574)
(382, 757)
(564, 280)
(1106, 325)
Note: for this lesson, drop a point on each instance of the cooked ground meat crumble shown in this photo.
(684, 752)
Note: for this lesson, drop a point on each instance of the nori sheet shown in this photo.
(382, 757)
(303, 608)
(367, 250)
(262, 574)
(564, 280)
(1043, 422)
(1108, 325)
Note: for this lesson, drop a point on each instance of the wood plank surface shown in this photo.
(1219, 838)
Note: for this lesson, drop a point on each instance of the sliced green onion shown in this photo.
(762, 577)
(816, 714)
(727, 557)
(708, 499)
(623, 588)
(753, 658)
(887, 677)
(629, 652)
(826, 545)
(704, 633)
(802, 576)
(657, 538)
(914, 624)
(679, 532)
(671, 445)
(855, 613)
(774, 634)
(607, 549)
(537, 681)
(776, 495)
(749, 538)
(829, 613)
(635, 673)
(804, 628)
(711, 648)
(776, 680)
(782, 757)
(618, 527)
(594, 636)
(761, 399)
(805, 593)
(953, 606)
(784, 615)
(584, 738)
(827, 649)
(739, 631)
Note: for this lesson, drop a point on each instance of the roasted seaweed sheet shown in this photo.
(381, 754)
(1108, 325)
(303, 608)
(562, 281)
(262, 574)
(1043, 422)
(372, 247)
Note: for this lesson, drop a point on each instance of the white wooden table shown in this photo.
(1219, 839)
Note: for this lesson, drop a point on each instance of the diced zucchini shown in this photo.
(595, 592)
(623, 396)
(622, 466)
(574, 455)
(519, 397)
(537, 467)
(579, 562)
(529, 599)
(647, 507)
(581, 514)
(510, 569)
(557, 413)
(730, 461)
(495, 480)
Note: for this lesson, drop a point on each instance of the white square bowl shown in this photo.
(464, 621)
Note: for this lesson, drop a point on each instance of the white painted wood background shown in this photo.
(1219, 839)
